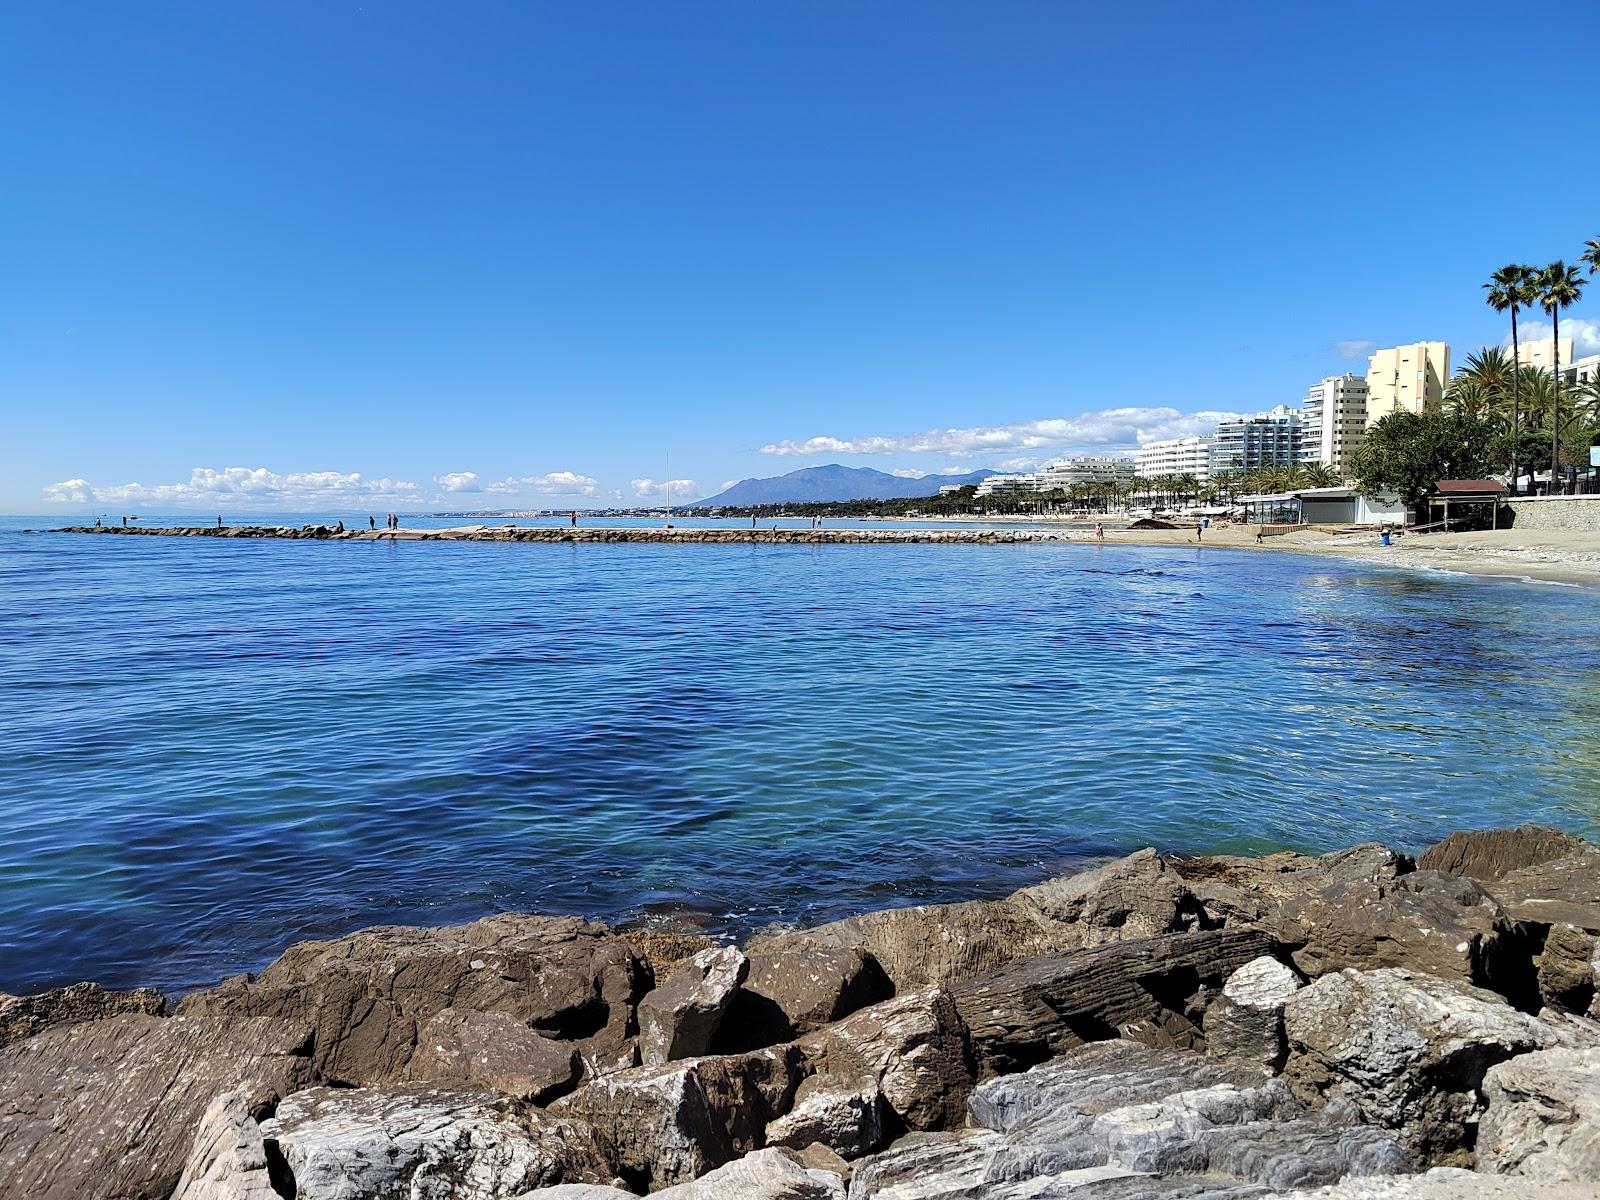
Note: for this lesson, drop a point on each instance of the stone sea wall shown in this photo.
(509, 533)
(1360, 1024)
(1580, 514)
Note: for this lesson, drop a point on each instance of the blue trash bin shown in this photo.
(1385, 537)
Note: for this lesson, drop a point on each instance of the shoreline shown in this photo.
(1191, 1001)
(1566, 557)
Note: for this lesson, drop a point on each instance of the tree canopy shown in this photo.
(1407, 453)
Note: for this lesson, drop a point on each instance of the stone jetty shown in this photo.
(516, 533)
(1359, 1024)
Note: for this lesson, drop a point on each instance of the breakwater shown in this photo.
(514, 533)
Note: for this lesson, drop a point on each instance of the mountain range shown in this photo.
(823, 485)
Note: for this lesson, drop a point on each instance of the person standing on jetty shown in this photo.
(372, 521)
(574, 518)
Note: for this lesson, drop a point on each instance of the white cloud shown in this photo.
(1110, 427)
(726, 484)
(1354, 350)
(651, 489)
(1025, 463)
(458, 481)
(241, 487)
(552, 483)
(908, 473)
(1585, 334)
(70, 491)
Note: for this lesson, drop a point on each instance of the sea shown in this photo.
(212, 749)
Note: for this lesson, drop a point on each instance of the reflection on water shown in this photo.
(213, 749)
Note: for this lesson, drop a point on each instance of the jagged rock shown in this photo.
(1490, 854)
(366, 995)
(817, 1157)
(1563, 890)
(24, 1016)
(664, 950)
(764, 1175)
(227, 1160)
(1245, 1023)
(1134, 897)
(378, 1143)
(1028, 1011)
(109, 1108)
(1542, 1117)
(1408, 1049)
(848, 1117)
(680, 1018)
(915, 1048)
(1236, 890)
(1442, 1183)
(667, 1124)
(794, 991)
(1566, 968)
(492, 1050)
(1122, 1119)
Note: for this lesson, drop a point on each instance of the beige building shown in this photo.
(1406, 379)
(1541, 355)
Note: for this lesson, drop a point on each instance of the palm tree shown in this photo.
(1559, 287)
(1511, 287)
(1538, 395)
(1591, 255)
(1318, 475)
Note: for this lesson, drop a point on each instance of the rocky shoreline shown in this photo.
(588, 534)
(1360, 1024)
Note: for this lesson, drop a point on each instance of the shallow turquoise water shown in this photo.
(213, 749)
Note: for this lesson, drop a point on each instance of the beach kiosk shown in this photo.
(1462, 492)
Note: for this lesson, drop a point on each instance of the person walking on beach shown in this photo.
(1197, 531)
(1099, 532)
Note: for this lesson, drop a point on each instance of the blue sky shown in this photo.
(362, 254)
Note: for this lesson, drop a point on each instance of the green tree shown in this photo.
(1511, 288)
(1591, 255)
(1559, 287)
(1407, 453)
(1318, 475)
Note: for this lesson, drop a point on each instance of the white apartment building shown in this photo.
(1584, 370)
(1406, 379)
(1067, 472)
(1271, 439)
(1333, 419)
(1174, 456)
(1009, 485)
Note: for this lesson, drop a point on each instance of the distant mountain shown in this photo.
(822, 485)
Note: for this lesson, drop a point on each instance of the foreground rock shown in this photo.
(764, 1175)
(23, 1016)
(1443, 1183)
(493, 1050)
(228, 1160)
(1136, 897)
(670, 1123)
(1152, 990)
(680, 1018)
(368, 995)
(109, 1108)
(1409, 1051)
(1543, 1116)
(795, 991)
(1123, 1119)
(1245, 1023)
(361, 1144)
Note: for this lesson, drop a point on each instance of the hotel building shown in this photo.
(1174, 456)
(1406, 379)
(1333, 420)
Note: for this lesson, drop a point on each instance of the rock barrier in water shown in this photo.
(597, 534)
(1154, 1028)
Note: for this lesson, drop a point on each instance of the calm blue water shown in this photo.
(213, 749)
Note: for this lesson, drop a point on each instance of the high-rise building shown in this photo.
(1333, 420)
(1271, 439)
(1174, 456)
(1406, 379)
(1064, 474)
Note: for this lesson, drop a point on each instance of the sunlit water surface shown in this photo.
(212, 749)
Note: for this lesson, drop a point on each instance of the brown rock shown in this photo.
(24, 1016)
(1566, 968)
(1031, 1010)
(671, 1123)
(914, 1047)
(367, 995)
(109, 1108)
(798, 990)
(495, 1051)
(1564, 890)
(818, 1157)
(1490, 854)
(1132, 897)
(680, 1018)
(849, 1117)
(663, 949)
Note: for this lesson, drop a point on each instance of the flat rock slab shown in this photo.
(1444, 1183)
(109, 1108)
(493, 1050)
(1543, 1117)
(378, 1144)
(1031, 1010)
(368, 995)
